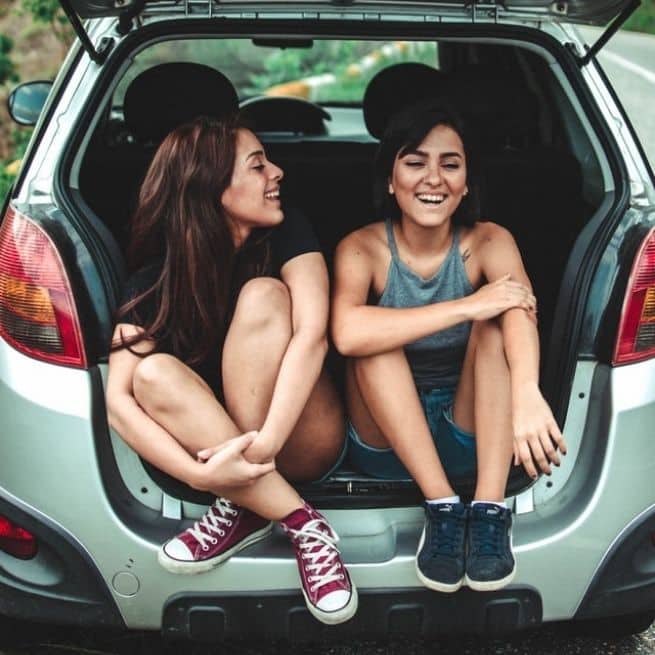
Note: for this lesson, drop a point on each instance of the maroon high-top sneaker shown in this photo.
(329, 593)
(225, 529)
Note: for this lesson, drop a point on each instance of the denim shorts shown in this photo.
(456, 447)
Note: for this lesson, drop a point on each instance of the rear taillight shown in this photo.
(38, 316)
(16, 541)
(636, 338)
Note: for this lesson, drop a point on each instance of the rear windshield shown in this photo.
(326, 71)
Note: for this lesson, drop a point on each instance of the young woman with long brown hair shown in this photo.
(216, 373)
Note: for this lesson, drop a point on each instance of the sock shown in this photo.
(490, 502)
(447, 499)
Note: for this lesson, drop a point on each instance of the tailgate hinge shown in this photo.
(99, 54)
(486, 8)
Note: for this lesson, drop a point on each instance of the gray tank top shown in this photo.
(436, 360)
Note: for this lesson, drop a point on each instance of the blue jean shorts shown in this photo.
(456, 447)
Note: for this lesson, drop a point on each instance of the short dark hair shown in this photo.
(405, 132)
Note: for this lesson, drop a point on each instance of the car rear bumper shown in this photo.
(50, 470)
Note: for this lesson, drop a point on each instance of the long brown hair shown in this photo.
(179, 218)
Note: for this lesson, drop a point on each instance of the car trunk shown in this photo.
(538, 174)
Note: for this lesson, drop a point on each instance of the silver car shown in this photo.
(558, 163)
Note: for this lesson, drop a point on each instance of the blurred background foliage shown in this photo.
(35, 35)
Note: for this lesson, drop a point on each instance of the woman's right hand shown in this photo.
(497, 297)
(225, 466)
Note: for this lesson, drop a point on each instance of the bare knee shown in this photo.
(374, 367)
(263, 304)
(155, 379)
(488, 337)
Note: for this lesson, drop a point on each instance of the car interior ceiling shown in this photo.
(528, 178)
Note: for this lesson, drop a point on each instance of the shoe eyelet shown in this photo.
(342, 576)
(229, 523)
(221, 533)
(205, 548)
(214, 541)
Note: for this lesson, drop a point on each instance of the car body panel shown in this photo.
(589, 11)
(379, 545)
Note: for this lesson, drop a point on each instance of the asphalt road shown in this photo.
(629, 61)
(560, 640)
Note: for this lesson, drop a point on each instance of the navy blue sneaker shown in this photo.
(440, 555)
(490, 563)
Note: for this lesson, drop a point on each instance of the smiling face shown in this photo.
(429, 181)
(253, 197)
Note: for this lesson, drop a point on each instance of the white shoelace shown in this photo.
(211, 522)
(310, 537)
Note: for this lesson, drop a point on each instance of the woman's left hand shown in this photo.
(537, 436)
(261, 450)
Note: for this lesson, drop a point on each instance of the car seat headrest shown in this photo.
(284, 114)
(395, 88)
(168, 95)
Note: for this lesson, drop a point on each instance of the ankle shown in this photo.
(299, 516)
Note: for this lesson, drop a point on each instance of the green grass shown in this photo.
(20, 138)
(643, 20)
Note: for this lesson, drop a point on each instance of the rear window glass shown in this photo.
(327, 72)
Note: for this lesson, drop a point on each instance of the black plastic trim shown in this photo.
(381, 613)
(79, 597)
(625, 581)
(573, 306)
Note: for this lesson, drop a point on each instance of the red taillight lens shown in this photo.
(38, 316)
(16, 541)
(636, 338)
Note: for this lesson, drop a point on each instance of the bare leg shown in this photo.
(251, 362)
(386, 411)
(483, 405)
(180, 401)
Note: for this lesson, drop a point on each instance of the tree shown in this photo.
(49, 12)
(7, 69)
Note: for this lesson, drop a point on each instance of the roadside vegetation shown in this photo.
(643, 20)
(36, 31)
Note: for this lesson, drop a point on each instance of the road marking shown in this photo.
(629, 65)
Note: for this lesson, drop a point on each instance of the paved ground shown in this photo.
(629, 61)
(559, 639)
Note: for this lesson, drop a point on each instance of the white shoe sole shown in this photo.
(491, 585)
(444, 587)
(337, 616)
(191, 568)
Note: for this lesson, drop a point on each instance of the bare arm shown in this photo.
(535, 431)
(307, 279)
(156, 445)
(359, 329)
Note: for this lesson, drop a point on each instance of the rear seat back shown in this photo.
(157, 100)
